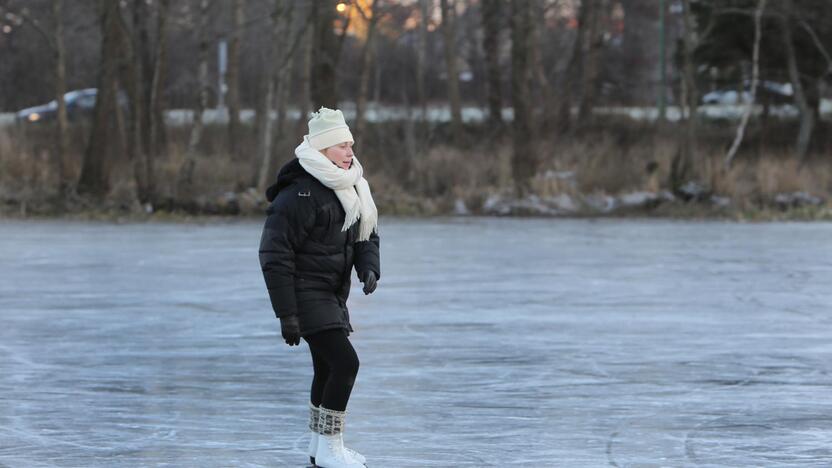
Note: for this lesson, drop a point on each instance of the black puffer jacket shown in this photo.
(306, 259)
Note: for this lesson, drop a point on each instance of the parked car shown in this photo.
(726, 97)
(769, 90)
(79, 103)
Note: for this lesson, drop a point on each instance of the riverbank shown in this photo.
(616, 168)
(798, 206)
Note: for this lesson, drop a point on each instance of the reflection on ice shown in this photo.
(488, 343)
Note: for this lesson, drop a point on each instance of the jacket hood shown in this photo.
(287, 175)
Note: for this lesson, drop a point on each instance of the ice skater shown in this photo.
(321, 223)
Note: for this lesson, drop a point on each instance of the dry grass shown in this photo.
(432, 182)
(213, 173)
(28, 167)
(770, 175)
(26, 171)
(614, 164)
(430, 175)
(603, 165)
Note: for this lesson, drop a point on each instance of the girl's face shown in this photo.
(340, 154)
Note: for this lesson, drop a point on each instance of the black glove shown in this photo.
(369, 280)
(290, 329)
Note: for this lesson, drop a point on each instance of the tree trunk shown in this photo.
(232, 77)
(367, 65)
(378, 73)
(689, 43)
(324, 56)
(476, 61)
(274, 95)
(449, 39)
(686, 153)
(755, 78)
(60, 90)
(285, 85)
(298, 57)
(537, 43)
(281, 21)
(491, 16)
(523, 160)
(421, 54)
(593, 40)
(138, 92)
(144, 62)
(186, 171)
(574, 74)
(306, 82)
(265, 137)
(158, 136)
(807, 115)
(102, 149)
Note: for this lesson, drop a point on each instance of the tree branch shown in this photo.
(28, 19)
(818, 44)
(296, 41)
(755, 78)
(343, 35)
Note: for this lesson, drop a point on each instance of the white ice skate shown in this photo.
(330, 451)
(313, 449)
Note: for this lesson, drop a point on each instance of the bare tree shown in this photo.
(346, 19)
(421, 54)
(371, 17)
(591, 51)
(138, 92)
(491, 19)
(755, 78)
(282, 96)
(55, 43)
(473, 45)
(818, 45)
(233, 76)
(449, 36)
(265, 129)
(60, 90)
(143, 63)
(325, 50)
(102, 147)
(807, 114)
(687, 149)
(158, 135)
(140, 85)
(523, 159)
(282, 54)
(306, 81)
(574, 74)
(689, 43)
(537, 45)
(186, 171)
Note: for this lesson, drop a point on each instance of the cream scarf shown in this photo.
(349, 186)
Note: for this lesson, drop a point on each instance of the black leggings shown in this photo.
(336, 365)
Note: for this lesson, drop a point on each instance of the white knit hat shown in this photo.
(328, 128)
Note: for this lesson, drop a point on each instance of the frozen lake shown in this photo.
(489, 342)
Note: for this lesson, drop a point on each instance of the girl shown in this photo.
(321, 223)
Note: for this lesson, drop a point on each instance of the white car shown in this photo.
(726, 97)
(771, 89)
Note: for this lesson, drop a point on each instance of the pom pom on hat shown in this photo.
(328, 128)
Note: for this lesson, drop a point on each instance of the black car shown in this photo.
(79, 103)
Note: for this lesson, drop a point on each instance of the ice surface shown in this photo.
(489, 342)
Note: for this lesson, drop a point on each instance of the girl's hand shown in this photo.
(369, 280)
(290, 329)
